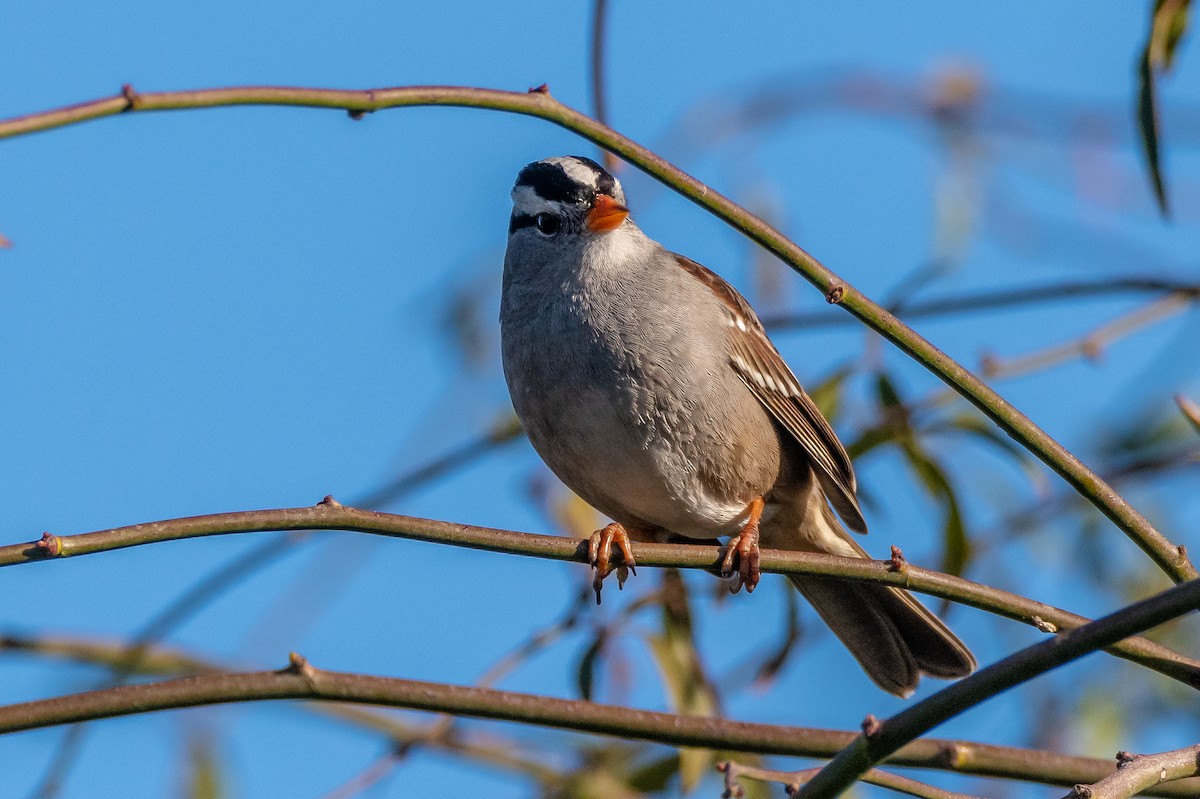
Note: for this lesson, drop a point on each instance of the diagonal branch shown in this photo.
(302, 681)
(881, 739)
(1170, 558)
(792, 780)
(1139, 773)
(331, 515)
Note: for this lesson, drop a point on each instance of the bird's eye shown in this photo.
(547, 224)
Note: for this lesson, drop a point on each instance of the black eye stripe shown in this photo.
(519, 221)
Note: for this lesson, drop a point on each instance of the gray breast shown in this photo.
(629, 400)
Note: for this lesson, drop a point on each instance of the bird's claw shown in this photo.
(600, 547)
(742, 549)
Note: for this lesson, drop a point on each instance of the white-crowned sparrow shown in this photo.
(648, 385)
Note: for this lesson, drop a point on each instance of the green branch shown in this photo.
(331, 515)
(1171, 559)
(302, 681)
(881, 739)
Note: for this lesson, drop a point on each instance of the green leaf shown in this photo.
(988, 433)
(775, 659)
(1147, 115)
(828, 393)
(689, 691)
(1168, 23)
(654, 776)
(204, 772)
(585, 674)
(956, 547)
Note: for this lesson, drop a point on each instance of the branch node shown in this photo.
(49, 545)
(357, 113)
(989, 364)
(871, 727)
(835, 294)
(897, 563)
(543, 89)
(329, 502)
(953, 755)
(1082, 792)
(130, 96)
(1043, 625)
(733, 789)
(1125, 758)
(298, 664)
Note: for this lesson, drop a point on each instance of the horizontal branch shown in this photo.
(539, 103)
(1000, 299)
(792, 780)
(302, 681)
(331, 515)
(160, 661)
(880, 739)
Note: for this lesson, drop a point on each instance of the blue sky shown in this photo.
(243, 308)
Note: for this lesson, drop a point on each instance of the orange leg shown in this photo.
(600, 553)
(744, 548)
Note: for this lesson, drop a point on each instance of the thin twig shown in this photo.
(792, 780)
(246, 565)
(1170, 558)
(368, 777)
(598, 72)
(881, 739)
(162, 661)
(331, 515)
(999, 299)
(302, 681)
(1092, 344)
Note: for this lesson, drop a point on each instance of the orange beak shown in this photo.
(606, 215)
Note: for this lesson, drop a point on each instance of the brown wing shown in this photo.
(764, 372)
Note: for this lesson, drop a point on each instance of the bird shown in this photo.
(648, 385)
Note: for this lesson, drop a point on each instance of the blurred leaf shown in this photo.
(775, 660)
(654, 776)
(204, 772)
(689, 691)
(1100, 717)
(828, 393)
(1167, 26)
(956, 548)
(889, 396)
(576, 518)
(1190, 410)
(870, 439)
(586, 672)
(986, 432)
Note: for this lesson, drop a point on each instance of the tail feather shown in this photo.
(893, 636)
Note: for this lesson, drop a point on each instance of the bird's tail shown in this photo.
(893, 636)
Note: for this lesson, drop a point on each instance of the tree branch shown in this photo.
(792, 780)
(162, 661)
(999, 299)
(881, 739)
(331, 515)
(1138, 773)
(302, 681)
(1170, 558)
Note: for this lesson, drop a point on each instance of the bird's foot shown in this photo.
(600, 552)
(743, 549)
